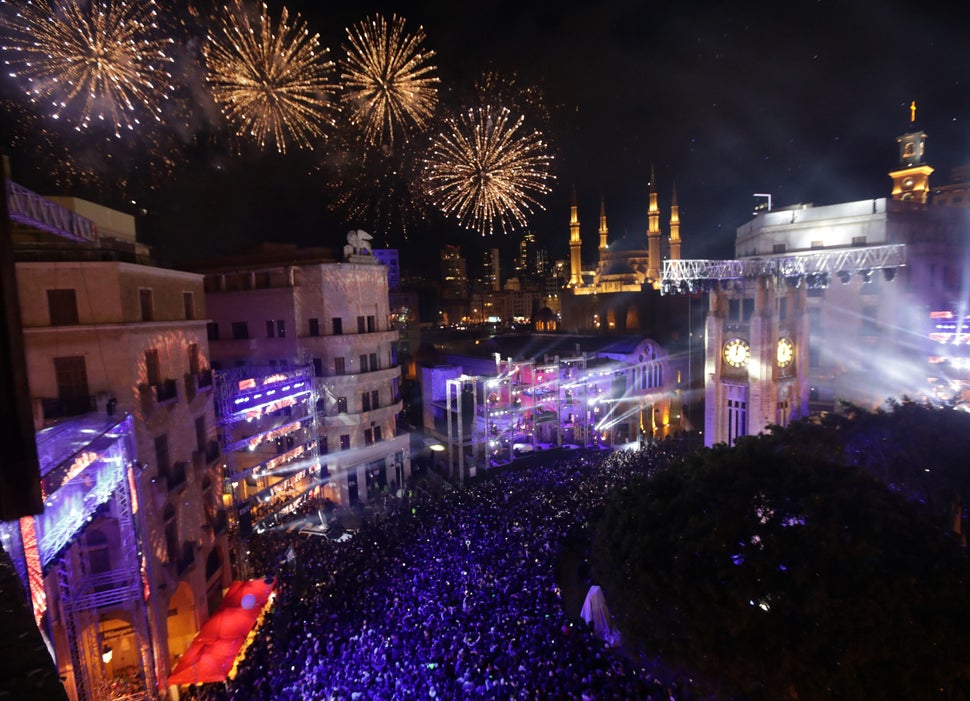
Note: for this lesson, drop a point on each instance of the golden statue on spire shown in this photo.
(912, 112)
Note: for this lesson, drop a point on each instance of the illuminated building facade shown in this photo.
(829, 304)
(545, 391)
(279, 312)
(107, 334)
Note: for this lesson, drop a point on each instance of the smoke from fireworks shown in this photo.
(389, 82)
(271, 82)
(97, 61)
(486, 171)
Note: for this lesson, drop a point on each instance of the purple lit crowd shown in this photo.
(453, 594)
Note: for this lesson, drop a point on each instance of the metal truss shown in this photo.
(84, 595)
(818, 262)
(29, 208)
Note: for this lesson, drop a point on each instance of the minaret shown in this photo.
(603, 229)
(674, 227)
(911, 181)
(653, 236)
(575, 246)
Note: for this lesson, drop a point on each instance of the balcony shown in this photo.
(220, 524)
(197, 383)
(60, 408)
(175, 476)
(164, 393)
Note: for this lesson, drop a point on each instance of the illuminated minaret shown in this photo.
(674, 227)
(603, 230)
(653, 236)
(575, 246)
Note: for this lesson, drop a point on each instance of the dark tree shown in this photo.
(769, 571)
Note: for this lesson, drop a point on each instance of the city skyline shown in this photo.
(803, 102)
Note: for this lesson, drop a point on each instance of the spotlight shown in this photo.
(106, 654)
(866, 276)
(889, 274)
(845, 276)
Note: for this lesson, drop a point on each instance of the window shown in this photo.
(818, 244)
(377, 434)
(195, 364)
(341, 405)
(318, 367)
(281, 328)
(322, 445)
(363, 362)
(361, 325)
(147, 301)
(200, 434)
(345, 441)
(153, 367)
(783, 308)
(62, 306)
(374, 395)
(314, 327)
(338, 326)
(270, 328)
(371, 323)
(240, 330)
(212, 331)
(778, 248)
(339, 366)
(365, 402)
(858, 240)
(368, 437)
(171, 533)
(734, 310)
(373, 362)
(72, 381)
(814, 320)
(870, 324)
(747, 309)
(161, 454)
(188, 304)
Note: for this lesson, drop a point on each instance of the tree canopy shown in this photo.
(769, 570)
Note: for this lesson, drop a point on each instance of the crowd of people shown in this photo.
(454, 595)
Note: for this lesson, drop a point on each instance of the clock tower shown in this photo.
(911, 178)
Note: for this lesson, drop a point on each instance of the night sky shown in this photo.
(802, 100)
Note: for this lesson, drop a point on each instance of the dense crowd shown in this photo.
(452, 596)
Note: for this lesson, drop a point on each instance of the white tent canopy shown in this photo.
(598, 616)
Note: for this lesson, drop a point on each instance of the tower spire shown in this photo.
(603, 229)
(653, 235)
(674, 226)
(575, 245)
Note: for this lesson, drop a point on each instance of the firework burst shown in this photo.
(389, 82)
(486, 170)
(271, 82)
(100, 61)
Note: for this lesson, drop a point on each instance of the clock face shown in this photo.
(908, 183)
(785, 353)
(737, 352)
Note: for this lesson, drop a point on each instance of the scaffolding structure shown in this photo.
(814, 268)
(532, 405)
